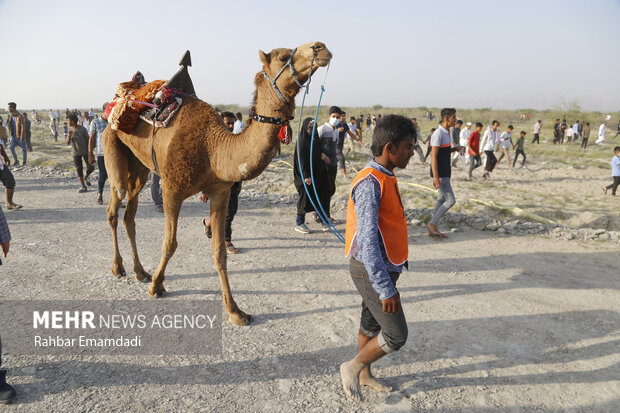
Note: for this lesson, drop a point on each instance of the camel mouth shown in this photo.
(322, 61)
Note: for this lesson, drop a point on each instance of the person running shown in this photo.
(455, 134)
(473, 148)
(301, 166)
(377, 242)
(441, 169)
(233, 201)
(78, 139)
(601, 134)
(95, 148)
(17, 131)
(416, 146)
(537, 128)
(615, 172)
(505, 140)
(489, 143)
(463, 140)
(586, 136)
(519, 147)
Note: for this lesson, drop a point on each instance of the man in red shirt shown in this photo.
(473, 148)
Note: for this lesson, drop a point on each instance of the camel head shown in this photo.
(288, 69)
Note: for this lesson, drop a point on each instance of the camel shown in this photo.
(195, 152)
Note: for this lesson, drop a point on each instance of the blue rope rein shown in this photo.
(319, 210)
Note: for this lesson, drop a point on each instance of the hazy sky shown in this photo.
(467, 54)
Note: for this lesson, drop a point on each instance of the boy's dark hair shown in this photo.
(563, 120)
(510, 127)
(447, 112)
(352, 118)
(616, 149)
(13, 105)
(557, 120)
(335, 109)
(239, 116)
(73, 117)
(495, 122)
(391, 128)
(228, 115)
(523, 132)
(459, 122)
(588, 123)
(478, 124)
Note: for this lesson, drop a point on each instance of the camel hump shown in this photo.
(186, 60)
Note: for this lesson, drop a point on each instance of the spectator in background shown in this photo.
(356, 137)
(576, 134)
(416, 145)
(615, 172)
(54, 129)
(3, 132)
(537, 128)
(95, 148)
(601, 133)
(489, 143)
(78, 139)
(27, 126)
(505, 140)
(586, 136)
(328, 134)
(343, 132)
(617, 131)
(463, 140)
(563, 127)
(455, 135)
(473, 148)
(239, 125)
(519, 147)
(557, 132)
(17, 131)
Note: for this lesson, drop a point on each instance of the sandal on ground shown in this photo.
(13, 207)
(316, 218)
(334, 221)
(230, 248)
(207, 228)
(437, 234)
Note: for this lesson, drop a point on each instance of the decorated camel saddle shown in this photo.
(155, 102)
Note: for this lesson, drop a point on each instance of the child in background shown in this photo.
(519, 147)
(428, 143)
(615, 172)
(65, 130)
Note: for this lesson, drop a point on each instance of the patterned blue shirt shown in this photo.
(367, 246)
(97, 126)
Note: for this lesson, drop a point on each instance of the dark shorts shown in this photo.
(6, 177)
(393, 327)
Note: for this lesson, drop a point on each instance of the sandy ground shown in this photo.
(496, 322)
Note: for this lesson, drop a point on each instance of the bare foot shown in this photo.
(350, 374)
(605, 190)
(371, 381)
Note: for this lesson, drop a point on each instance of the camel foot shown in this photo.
(156, 291)
(119, 273)
(143, 276)
(240, 318)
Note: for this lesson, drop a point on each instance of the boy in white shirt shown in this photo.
(505, 141)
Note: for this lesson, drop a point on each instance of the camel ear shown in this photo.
(264, 57)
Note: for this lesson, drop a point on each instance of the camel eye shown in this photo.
(284, 59)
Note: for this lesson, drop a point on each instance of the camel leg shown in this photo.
(138, 176)
(172, 207)
(219, 205)
(116, 162)
(112, 212)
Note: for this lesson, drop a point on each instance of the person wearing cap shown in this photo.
(463, 140)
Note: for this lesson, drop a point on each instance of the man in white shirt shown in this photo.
(328, 134)
(601, 133)
(239, 125)
(505, 140)
(489, 142)
(537, 128)
(463, 139)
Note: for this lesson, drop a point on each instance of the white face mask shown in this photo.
(334, 121)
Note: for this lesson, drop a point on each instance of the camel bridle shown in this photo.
(289, 64)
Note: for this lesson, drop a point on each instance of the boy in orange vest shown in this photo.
(376, 239)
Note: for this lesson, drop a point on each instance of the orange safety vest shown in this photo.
(392, 221)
